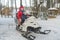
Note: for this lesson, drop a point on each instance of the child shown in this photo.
(19, 16)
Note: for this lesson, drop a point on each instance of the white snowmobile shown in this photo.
(30, 25)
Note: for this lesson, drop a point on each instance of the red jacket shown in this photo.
(19, 15)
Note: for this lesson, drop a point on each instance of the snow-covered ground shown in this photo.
(8, 32)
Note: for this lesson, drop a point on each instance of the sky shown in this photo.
(5, 2)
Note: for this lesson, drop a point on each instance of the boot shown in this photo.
(17, 27)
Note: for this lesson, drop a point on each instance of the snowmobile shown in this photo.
(30, 25)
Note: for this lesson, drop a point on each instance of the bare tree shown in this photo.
(8, 3)
(36, 7)
(15, 5)
(0, 5)
(48, 3)
(20, 2)
(0, 8)
(11, 4)
(51, 3)
(30, 3)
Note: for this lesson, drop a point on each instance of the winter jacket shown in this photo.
(19, 15)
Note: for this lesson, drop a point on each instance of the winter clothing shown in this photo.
(23, 15)
(19, 15)
(23, 18)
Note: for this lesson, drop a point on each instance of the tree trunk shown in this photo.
(15, 5)
(0, 8)
(35, 6)
(30, 3)
(20, 2)
(11, 4)
(48, 3)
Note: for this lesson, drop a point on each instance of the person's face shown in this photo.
(22, 9)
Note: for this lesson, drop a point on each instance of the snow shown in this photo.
(54, 26)
(8, 31)
(52, 9)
